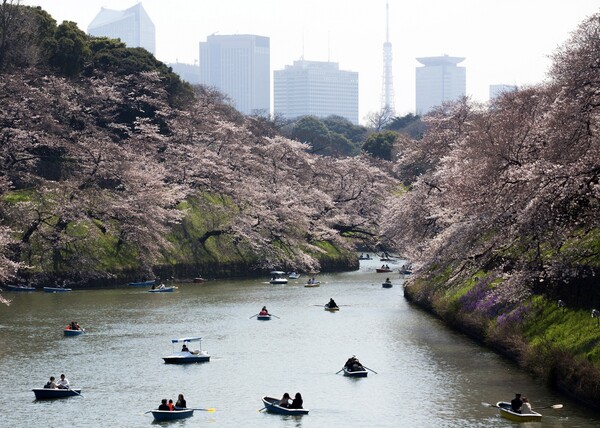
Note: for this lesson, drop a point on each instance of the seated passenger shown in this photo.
(51, 384)
(163, 405)
(184, 348)
(285, 400)
(297, 401)
(264, 311)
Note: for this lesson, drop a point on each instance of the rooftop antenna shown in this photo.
(387, 92)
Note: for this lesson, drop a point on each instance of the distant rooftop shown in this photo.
(107, 16)
(440, 60)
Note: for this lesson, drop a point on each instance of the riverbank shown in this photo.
(557, 344)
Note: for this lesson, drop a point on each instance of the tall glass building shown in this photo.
(133, 26)
(240, 67)
(439, 81)
(315, 88)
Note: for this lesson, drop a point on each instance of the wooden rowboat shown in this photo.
(162, 290)
(170, 415)
(70, 332)
(506, 411)
(52, 393)
(272, 405)
(56, 289)
(263, 317)
(355, 373)
(10, 287)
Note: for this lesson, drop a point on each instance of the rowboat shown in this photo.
(382, 270)
(278, 277)
(355, 373)
(71, 332)
(142, 283)
(162, 289)
(170, 415)
(187, 357)
(272, 405)
(52, 393)
(387, 285)
(363, 257)
(294, 275)
(334, 309)
(263, 317)
(19, 288)
(313, 283)
(506, 411)
(56, 289)
(199, 280)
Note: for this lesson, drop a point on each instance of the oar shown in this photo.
(489, 405)
(210, 409)
(369, 369)
(554, 406)
(274, 316)
(340, 370)
(69, 388)
(253, 316)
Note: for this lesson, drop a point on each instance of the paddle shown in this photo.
(69, 388)
(253, 316)
(489, 405)
(554, 406)
(369, 369)
(340, 370)
(274, 316)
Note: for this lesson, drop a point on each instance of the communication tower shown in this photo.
(387, 93)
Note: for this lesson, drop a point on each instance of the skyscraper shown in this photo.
(316, 88)
(240, 67)
(439, 81)
(133, 26)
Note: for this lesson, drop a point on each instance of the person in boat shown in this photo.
(263, 311)
(184, 348)
(285, 400)
(153, 286)
(63, 383)
(526, 406)
(332, 304)
(181, 403)
(163, 405)
(516, 403)
(352, 364)
(171, 405)
(387, 280)
(51, 384)
(297, 401)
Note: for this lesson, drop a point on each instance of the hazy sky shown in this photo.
(503, 41)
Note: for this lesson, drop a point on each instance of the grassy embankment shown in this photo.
(558, 344)
(201, 244)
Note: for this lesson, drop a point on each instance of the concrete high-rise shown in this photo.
(439, 81)
(240, 67)
(133, 26)
(316, 88)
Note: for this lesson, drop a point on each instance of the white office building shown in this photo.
(133, 26)
(315, 88)
(439, 81)
(239, 66)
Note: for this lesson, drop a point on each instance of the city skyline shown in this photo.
(504, 42)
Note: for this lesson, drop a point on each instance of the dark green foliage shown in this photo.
(409, 124)
(381, 144)
(340, 125)
(311, 130)
(72, 49)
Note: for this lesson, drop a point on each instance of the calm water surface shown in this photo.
(428, 376)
